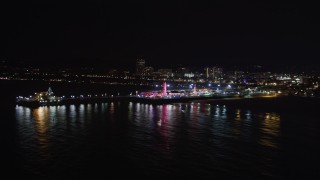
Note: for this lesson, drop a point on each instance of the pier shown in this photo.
(90, 100)
(165, 96)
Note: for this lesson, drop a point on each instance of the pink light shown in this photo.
(164, 89)
(164, 113)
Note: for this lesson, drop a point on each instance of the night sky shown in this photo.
(165, 34)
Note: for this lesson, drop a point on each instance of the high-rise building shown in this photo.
(213, 73)
(217, 74)
(208, 72)
(140, 65)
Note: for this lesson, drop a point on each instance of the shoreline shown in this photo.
(135, 99)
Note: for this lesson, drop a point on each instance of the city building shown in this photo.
(140, 66)
(213, 74)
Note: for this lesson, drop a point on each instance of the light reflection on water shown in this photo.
(161, 138)
(270, 129)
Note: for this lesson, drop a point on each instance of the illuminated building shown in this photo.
(214, 74)
(189, 75)
(140, 65)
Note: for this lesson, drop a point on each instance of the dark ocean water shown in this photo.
(215, 139)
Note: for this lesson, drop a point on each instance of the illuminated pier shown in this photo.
(164, 96)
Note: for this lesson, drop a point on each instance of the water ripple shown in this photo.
(194, 140)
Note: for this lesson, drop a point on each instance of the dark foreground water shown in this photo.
(238, 139)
